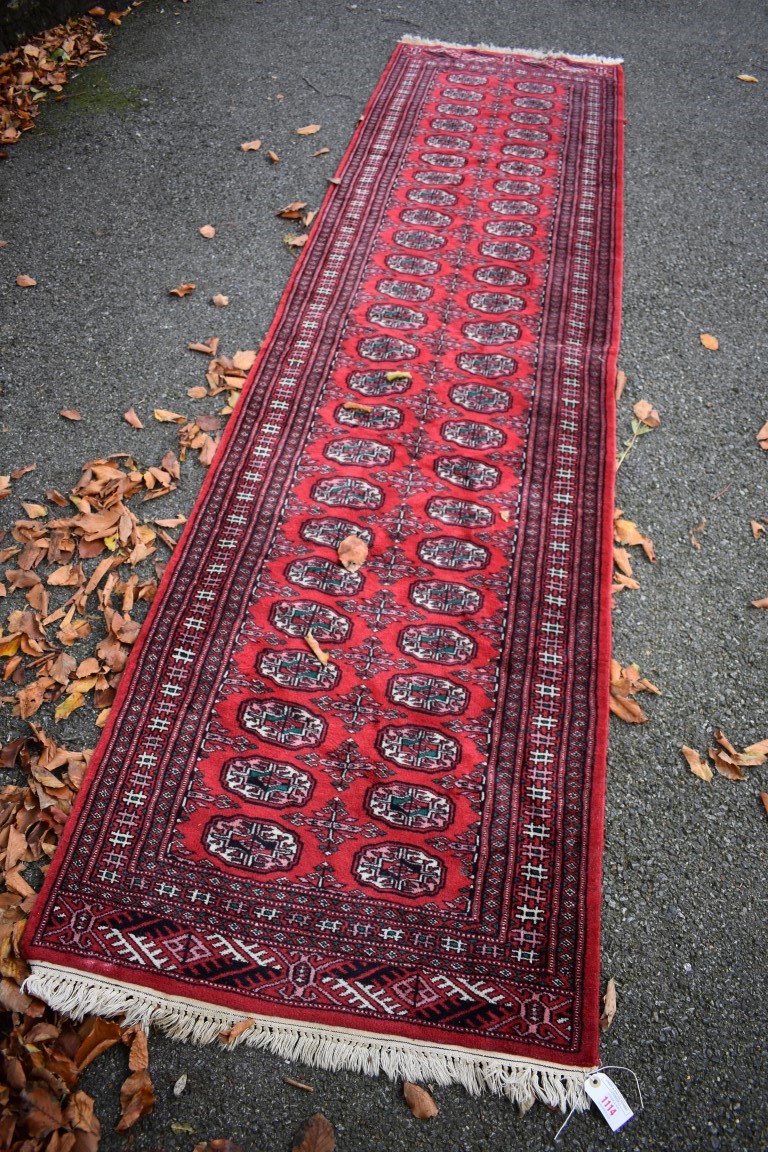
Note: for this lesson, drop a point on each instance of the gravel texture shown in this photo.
(102, 204)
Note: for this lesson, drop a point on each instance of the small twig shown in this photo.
(327, 95)
(297, 1084)
(723, 491)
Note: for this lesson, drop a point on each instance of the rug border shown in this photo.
(520, 1079)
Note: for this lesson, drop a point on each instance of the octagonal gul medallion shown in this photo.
(437, 644)
(423, 693)
(278, 722)
(410, 806)
(264, 781)
(256, 845)
(417, 747)
(401, 869)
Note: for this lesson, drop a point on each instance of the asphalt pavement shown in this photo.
(102, 205)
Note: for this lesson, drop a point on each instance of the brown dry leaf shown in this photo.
(764, 798)
(709, 341)
(627, 532)
(759, 749)
(353, 553)
(26, 282)
(321, 152)
(137, 1099)
(757, 529)
(68, 706)
(34, 511)
(70, 414)
(182, 290)
(762, 437)
(621, 383)
(622, 561)
(726, 765)
(353, 406)
(292, 211)
(646, 414)
(239, 1029)
(250, 146)
(724, 742)
(220, 300)
(697, 764)
(273, 156)
(419, 1101)
(315, 1135)
(166, 417)
(208, 231)
(334, 180)
(747, 78)
(762, 603)
(131, 418)
(609, 1006)
(322, 656)
(505, 515)
(627, 709)
(308, 130)
(98, 11)
(138, 1057)
(97, 1035)
(295, 241)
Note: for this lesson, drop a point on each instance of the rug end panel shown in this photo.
(534, 53)
(521, 1081)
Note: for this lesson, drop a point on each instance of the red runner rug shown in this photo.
(389, 861)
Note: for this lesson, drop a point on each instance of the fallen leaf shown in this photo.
(390, 377)
(236, 1030)
(208, 231)
(760, 749)
(34, 511)
(273, 156)
(757, 529)
(137, 1099)
(646, 414)
(622, 561)
(353, 553)
(322, 656)
(353, 406)
(68, 706)
(745, 76)
(764, 798)
(250, 146)
(627, 532)
(138, 1056)
(97, 11)
(131, 418)
(709, 341)
(182, 290)
(762, 437)
(621, 383)
(70, 414)
(697, 764)
(26, 282)
(292, 211)
(505, 515)
(315, 1135)
(180, 1084)
(334, 180)
(308, 130)
(321, 152)
(295, 241)
(609, 1006)
(220, 300)
(419, 1101)
(164, 416)
(97, 1035)
(627, 709)
(763, 603)
(726, 765)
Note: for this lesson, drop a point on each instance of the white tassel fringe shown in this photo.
(521, 1081)
(536, 53)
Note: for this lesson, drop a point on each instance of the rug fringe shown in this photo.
(520, 1081)
(535, 53)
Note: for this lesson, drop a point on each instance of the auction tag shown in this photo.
(604, 1093)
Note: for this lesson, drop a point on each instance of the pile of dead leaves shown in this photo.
(42, 65)
(726, 759)
(626, 683)
(85, 561)
(41, 1053)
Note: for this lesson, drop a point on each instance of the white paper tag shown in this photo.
(609, 1100)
